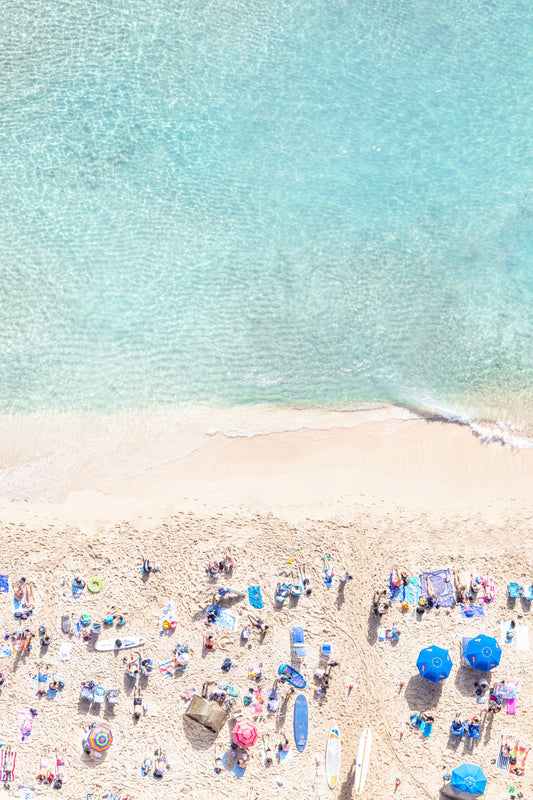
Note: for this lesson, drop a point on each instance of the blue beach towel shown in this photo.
(238, 771)
(327, 580)
(254, 596)
(5, 650)
(441, 580)
(284, 755)
(470, 612)
(411, 592)
(4, 583)
(226, 620)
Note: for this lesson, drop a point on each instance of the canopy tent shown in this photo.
(434, 663)
(207, 713)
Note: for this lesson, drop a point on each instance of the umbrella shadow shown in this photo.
(464, 680)
(422, 694)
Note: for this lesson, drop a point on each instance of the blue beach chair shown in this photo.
(298, 642)
(426, 728)
(514, 590)
(473, 731)
(527, 593)
(457, 728)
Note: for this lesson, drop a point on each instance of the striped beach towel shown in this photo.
(8, 758)
(502, 762)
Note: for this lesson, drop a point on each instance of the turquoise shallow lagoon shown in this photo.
(282, 202)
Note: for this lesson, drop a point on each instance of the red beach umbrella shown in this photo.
(245, 734)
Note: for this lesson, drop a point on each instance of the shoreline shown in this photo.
(93, 470)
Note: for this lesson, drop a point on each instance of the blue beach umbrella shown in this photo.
(469, 778)
(434, 663)
(483, 653)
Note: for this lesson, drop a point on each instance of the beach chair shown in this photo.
(514, 590)
(87, 691)
(473, 731)
(298, 641)
(457, 728)
(426, 728)
(274, 697)
(527, 593)
(415, 720)
(112, 696)
(98, 695)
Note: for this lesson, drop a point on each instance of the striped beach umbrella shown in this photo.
(100, 738)
(434, 663)
(245, 734)
(483, 653)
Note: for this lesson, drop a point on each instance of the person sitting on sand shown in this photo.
(243, 759)
(427, 717)
(137, 702)
(209, 642)
(55, 684)
(211, 615)
(259, 624)
(284, 744)
(219, 754)
(160, 765)
(229, 563)
(268, 750)
(380, 603)
(213, 567)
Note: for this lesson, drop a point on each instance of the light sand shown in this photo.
(371, 494)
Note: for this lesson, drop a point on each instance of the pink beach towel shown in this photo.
(511, 705)
(490, 590)
(25, 726)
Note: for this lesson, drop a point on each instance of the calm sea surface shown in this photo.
(271, 201)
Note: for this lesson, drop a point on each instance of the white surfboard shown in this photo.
(120, 643)
(362, 761)
(333, 757)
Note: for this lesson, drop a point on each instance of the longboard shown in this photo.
(292, 676)
(118, 643)
(301, 722)
(362, 761)
(333, 757)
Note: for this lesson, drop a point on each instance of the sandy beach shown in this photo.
(384, 491)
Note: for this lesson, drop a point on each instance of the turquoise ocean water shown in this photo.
(270, 201)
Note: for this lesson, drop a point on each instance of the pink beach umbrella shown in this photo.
(245, 734)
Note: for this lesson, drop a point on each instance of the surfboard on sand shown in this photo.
(119, 643)
(362, 761)
(301, 722)
(333, 757)
(292, 676)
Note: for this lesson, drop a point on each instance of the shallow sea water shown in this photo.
(281, 202)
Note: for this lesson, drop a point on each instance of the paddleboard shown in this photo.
(333, 757)
(120, 643)
(362, 761)
(301, 722)
(292, 676)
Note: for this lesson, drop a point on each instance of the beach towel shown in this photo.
(411, 592)
(25, 726)
(226, 620)
(382, 636)
(505, 627)
(223, 762)
(64, 651)
(426, 728)
(490, 590)
(522, 637)
(5, 754)
(472, 612)
(169, 612)
(168, 667)
(6, 650)
(4, 583)
(77, 591)
(502, 762)
(254, 596)
(396, 592)
(25, 793)
(237, 771)
(441, 580)
(521, 754)
(511, 705)
(19, 607)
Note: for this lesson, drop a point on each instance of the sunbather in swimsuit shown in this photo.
(242, 760)
(219, 753)
(41, 685)
(284, 744)
(137, 702)
(160, 765)
(268, 750)
(505, 748)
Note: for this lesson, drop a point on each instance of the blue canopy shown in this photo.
(469, 778)
(483, 653)
(434, 663)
